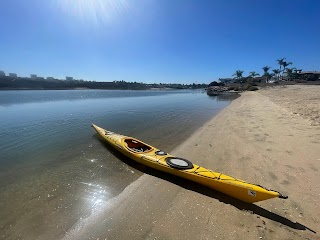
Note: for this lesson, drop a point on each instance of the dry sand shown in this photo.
(257, 138)
(299, 99)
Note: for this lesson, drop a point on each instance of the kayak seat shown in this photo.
(137, 146)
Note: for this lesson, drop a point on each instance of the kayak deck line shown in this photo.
(160, 160)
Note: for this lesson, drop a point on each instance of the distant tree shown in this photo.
(280, 62)
(253, 74)
(214, 83)
(266, 69)
(290, 73)
(266, 74)
(238, 75)
(276, 73)
(285, 65)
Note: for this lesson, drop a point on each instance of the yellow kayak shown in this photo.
(155, 158)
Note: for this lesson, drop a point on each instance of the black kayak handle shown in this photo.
(283, 196)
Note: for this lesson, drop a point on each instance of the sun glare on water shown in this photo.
(94, 11)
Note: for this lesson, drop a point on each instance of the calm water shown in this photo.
(53, 168)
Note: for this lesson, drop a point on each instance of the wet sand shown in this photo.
(254, 139)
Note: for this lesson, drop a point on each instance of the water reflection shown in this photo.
(225, 96)
(96, 194)
(36, 96)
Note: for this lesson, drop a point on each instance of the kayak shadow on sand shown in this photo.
(193, 186)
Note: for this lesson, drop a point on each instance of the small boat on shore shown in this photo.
(160, 160)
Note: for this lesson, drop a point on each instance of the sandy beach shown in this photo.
(258, 138)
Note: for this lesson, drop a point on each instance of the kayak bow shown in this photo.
(155, 158)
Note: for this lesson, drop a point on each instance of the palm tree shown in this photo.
(266, 73)
(266, 69)
(276, 73)
(285, 65)
(290, 73)
(268, 76)
(280, 62)
(238, 74)
(253, 74)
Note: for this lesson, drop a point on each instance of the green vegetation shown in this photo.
(276, 73)
(238, 75)
(266, 73)
(253, 74)
(283, 74)
(214, 83)
(280, 62)
(7, 82)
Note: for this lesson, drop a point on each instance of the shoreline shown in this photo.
(252, 139)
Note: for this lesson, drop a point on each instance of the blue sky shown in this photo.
(171, 41)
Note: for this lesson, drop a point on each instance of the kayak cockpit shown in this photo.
(136, 146)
